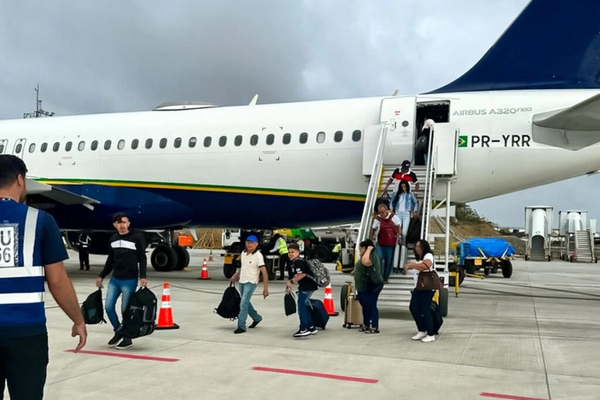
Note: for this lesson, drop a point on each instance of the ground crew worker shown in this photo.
(284, 258)
(31, 247)
(336, 250)
(84, 253)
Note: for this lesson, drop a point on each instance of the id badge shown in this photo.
(9, 245)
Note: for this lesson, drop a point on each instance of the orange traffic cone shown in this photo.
(165, 314)
(210, 257)
(328, 302)
(204, 273)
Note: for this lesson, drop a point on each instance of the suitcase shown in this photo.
(319, 314)
(353, 315)
(436, 316)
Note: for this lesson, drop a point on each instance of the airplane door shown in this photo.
(400, 114)
(445, 148)
(19, 149)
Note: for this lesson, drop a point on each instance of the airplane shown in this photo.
(527, 114)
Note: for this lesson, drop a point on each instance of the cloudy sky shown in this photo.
(113, 56)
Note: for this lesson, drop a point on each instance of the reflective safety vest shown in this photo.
(282, 246)
(337, 248)
(21, 273)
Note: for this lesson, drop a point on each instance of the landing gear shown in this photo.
(183, 258)
(164, 258)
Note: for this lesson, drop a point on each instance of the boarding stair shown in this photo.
(584, 246)
(538, 253)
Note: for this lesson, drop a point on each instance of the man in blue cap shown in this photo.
(251, 266)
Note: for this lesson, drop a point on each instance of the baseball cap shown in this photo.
(251, 238)
(405, 164)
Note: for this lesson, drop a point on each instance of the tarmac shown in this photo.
(533, 336)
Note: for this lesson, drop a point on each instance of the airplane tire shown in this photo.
(443, 302)
(163, 258)
(183, 258)
(507, 269)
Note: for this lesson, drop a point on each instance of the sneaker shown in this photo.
(363, 328)
(115, 340)
(125, 344)
(428, 339)
(239, 330)
(372, 330)
(312, 330)
(420, 335)
(254, 323)
(302, 333)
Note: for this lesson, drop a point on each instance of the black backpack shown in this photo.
(230, 304)
(139, 318)
(92, 310)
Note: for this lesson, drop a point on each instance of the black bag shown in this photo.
(92, 310)
(230, 303)
(384, 199)
(414, 231)
(139, 318)
(318, 313)
(421, 144)
(436, 317)
(289, 303)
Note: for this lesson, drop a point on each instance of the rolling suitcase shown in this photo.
(436, 316)
(353, 314)
(319, 314)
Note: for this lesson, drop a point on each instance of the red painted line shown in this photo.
(508, 396)
(316, 375)
(124, 355)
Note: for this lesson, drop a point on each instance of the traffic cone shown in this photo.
(328, 302)
(210, 257)
(165, 314)
(204, 273)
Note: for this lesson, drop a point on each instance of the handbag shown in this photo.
(429, 280)
(289, 303)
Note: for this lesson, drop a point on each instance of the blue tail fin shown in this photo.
(553, 44)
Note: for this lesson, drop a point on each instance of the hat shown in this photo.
(251, 238)
(405, 164)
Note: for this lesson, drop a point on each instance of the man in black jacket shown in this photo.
(126, 260)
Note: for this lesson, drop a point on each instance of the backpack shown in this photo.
(421, 144)
(139, 318)
(230, 303)
(320, 272)
(388, 233)
(92, 310)
(414, 231)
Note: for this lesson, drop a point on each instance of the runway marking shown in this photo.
(316, 375)
(124, 355)
(508, 396)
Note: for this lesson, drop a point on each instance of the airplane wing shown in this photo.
(37, 189)
(572, 128)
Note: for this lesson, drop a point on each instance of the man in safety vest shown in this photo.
(284, 258)
(31, 253)
(336, 250)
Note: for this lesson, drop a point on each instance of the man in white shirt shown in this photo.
(252, 264)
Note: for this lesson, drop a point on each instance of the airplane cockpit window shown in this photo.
(270, 139)
(254, 140)
(134, 144)
(149, 143)
(356, 135)
(68, 146)
(338, 136)
(177, 143)
(94, 145)
(303, 137)
(32, 147)
(192, 142)
(287, 138)
(320, 137)
(107, 145)
(238, 140)
(207, 141)
(163, 143)
(81, 146)
(121, 144)
(43, 147)
(223, 141)
(56, 147)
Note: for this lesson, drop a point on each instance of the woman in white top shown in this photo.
(420, 301)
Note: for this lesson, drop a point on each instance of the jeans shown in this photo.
(404, 221)
(117, 287)
(420, 308)
(246, 308)
(304, 310)
(368, 301)
(386, 255)
(23, 364)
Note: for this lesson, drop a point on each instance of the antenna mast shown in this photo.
(39, 112)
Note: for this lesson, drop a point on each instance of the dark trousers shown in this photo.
(23, 364)
(420, 308)
(84, 259)
(285, 265)
(368, 301)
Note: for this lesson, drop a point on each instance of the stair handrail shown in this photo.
(429, 180)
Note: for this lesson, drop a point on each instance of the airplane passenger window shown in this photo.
(192, 142)
(94, 145)
(177, 143)
(32, 147)
(303, 137)
(56, 147)
(254, 140)
(338, 136)
(238, 140)
(148, 143)
(1, 148)
(43, 147)
(270, 139)
(222, 141)
(356, 136)
(18, 148)
(134, 144)
(320, 137)
(68, 146)
(81, 146)
(207, 141)
(163, 143)
(107, 145)
(287, 138)
(121, 144)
